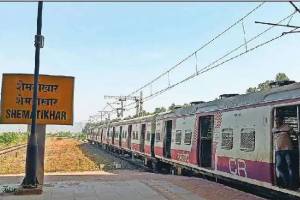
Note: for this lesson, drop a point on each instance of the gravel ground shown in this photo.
(98, 155)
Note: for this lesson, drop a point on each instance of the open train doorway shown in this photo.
(167, 139)
(113, 136)
(129, 136)
(101, 139)
(120, 137)
(286, 146)
(206, 126)
(142, 139)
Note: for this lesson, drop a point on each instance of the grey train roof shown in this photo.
(286, 92)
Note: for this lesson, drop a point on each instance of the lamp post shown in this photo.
(30, 180)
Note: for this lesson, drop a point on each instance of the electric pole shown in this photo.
(121, 99)
(30, 180)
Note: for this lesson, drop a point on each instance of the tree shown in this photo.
(281, 77)
(251, 89)
(172, 106)
(159, 109)
(266, 85)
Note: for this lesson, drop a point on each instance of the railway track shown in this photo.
(11, 149)
(122, 159)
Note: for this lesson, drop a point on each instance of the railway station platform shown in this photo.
(125, 185)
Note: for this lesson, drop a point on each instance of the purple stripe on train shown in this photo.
(257, 170)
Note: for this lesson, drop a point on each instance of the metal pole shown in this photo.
(141, 103)
(122, 108)
(30, 179)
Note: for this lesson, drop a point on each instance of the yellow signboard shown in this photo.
(55, 99)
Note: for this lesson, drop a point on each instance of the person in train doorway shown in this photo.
(284, 161)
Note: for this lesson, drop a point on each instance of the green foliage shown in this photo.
(63, 134)
(8, 138)
(266, 85)
(281, 77)
(68, 134)
(251, 89)
(81, 136)
(159, 109)
(185, 105)
(172, 106)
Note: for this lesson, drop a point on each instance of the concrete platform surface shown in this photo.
(126, 185)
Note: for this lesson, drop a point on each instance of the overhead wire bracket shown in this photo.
(196, 58)
(245, 40)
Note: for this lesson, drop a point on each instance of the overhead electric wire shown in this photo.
(212, 66)
(202, 47)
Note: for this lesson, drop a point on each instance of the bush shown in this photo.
(8, 138)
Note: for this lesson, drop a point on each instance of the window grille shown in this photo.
(148, 136)
(157, 136)
(227, 138)
(133, 135)
(247, 139)
(136, 135)
(178, 137)
(188, 137)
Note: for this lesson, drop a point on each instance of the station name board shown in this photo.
(55, 99)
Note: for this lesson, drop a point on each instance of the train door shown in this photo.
(142, 139)
(152, 144)
(152, 139)
(107, 135)
(206, 124)
(289, 115)
(167, 139)
(113, 136)
(120, 137)
(129, 136)
(101, 137)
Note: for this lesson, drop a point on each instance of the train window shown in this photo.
(247, 139)
(136, 135)
(227, 138)
(148, 136)
(157, 136)
(178, 137)
(188, 136)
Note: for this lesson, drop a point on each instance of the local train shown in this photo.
(230, 137)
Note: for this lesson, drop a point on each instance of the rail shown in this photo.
(13, 148)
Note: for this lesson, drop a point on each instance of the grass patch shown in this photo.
(8, 139)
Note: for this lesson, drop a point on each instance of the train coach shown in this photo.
(230, 137)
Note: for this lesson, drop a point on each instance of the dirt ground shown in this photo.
(61, 155)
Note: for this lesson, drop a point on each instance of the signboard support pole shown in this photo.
(30, 180)
(41, 136)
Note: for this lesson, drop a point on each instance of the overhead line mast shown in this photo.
(138, 100)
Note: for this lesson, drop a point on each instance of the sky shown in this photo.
(115, 48)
